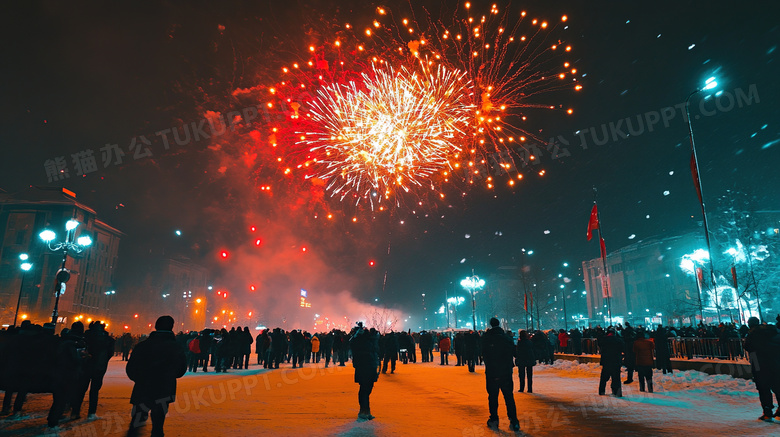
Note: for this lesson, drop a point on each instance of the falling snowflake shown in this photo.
(499, 233)
(666, 193)
(647, 216)
(671, 173)
(468, 235)
(546, 231)
(632, 236)
(691, 46)
(463, 261)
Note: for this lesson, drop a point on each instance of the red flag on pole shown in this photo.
(603, 249)
(525, 302)
(734, 277)
(593, 223)
(695, 173)
(700, 275)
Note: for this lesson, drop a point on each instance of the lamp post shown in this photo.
(25, 266)
(454, 302)
(708, 85)
(473, 283)
(528, 313)
(71, 244)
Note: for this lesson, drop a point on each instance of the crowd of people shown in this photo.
(33, 359)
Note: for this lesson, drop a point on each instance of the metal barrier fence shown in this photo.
(685, 348)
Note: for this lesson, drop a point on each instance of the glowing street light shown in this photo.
(455, 301)
(25, 266)
(71, 244)
(473, 284)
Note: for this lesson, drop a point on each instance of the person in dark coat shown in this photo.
(459, 345)
(498, 351)
(471, 350)
(70, 356)
(391, 351)
(611, 347)
(663, 359)
(541, 346)
(365, 359)
(247, 346)
(154, 366)
(127, 344)
(763, 344)
(629, 335)
(100, 349)
(576, 341)
(326, 347)
(259, 349)
(204, 342)
(297, 348)
(525, 360)
(643, 358)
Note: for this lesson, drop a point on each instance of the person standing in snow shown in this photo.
(154, 366)
(525, 360)
(365, 359)
(763, 344)
(498, 351)
(642, 349)
(611, 347)
(444, 350)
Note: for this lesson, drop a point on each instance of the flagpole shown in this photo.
(697, 180)
(603, 258)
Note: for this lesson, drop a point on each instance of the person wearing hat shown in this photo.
(154, 366)
(498, 351)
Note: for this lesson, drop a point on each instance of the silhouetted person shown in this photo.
(365, 360)
(154, 366)
(525, 361)
(100, 347)
(498, 351)
(763, 343)
(70, 356)
(611, 347)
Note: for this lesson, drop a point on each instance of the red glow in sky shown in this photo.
(258, 242)
(223, 254)
(371, 263)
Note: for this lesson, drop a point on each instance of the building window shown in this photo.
(20, 237)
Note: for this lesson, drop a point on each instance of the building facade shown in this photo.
(90, 291)
(646, 281)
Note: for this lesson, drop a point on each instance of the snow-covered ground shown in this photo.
(420, 399)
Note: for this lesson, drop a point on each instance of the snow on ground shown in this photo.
(420, 399)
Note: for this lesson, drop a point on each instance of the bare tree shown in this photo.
(384, 320)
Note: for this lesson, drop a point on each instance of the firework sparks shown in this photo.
(392, 131)
(398, 107)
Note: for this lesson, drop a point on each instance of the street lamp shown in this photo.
(25, 266)
(71, 244)
(455, 301)
(708, 85)
(473, 283)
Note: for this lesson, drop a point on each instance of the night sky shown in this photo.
(82, 75)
